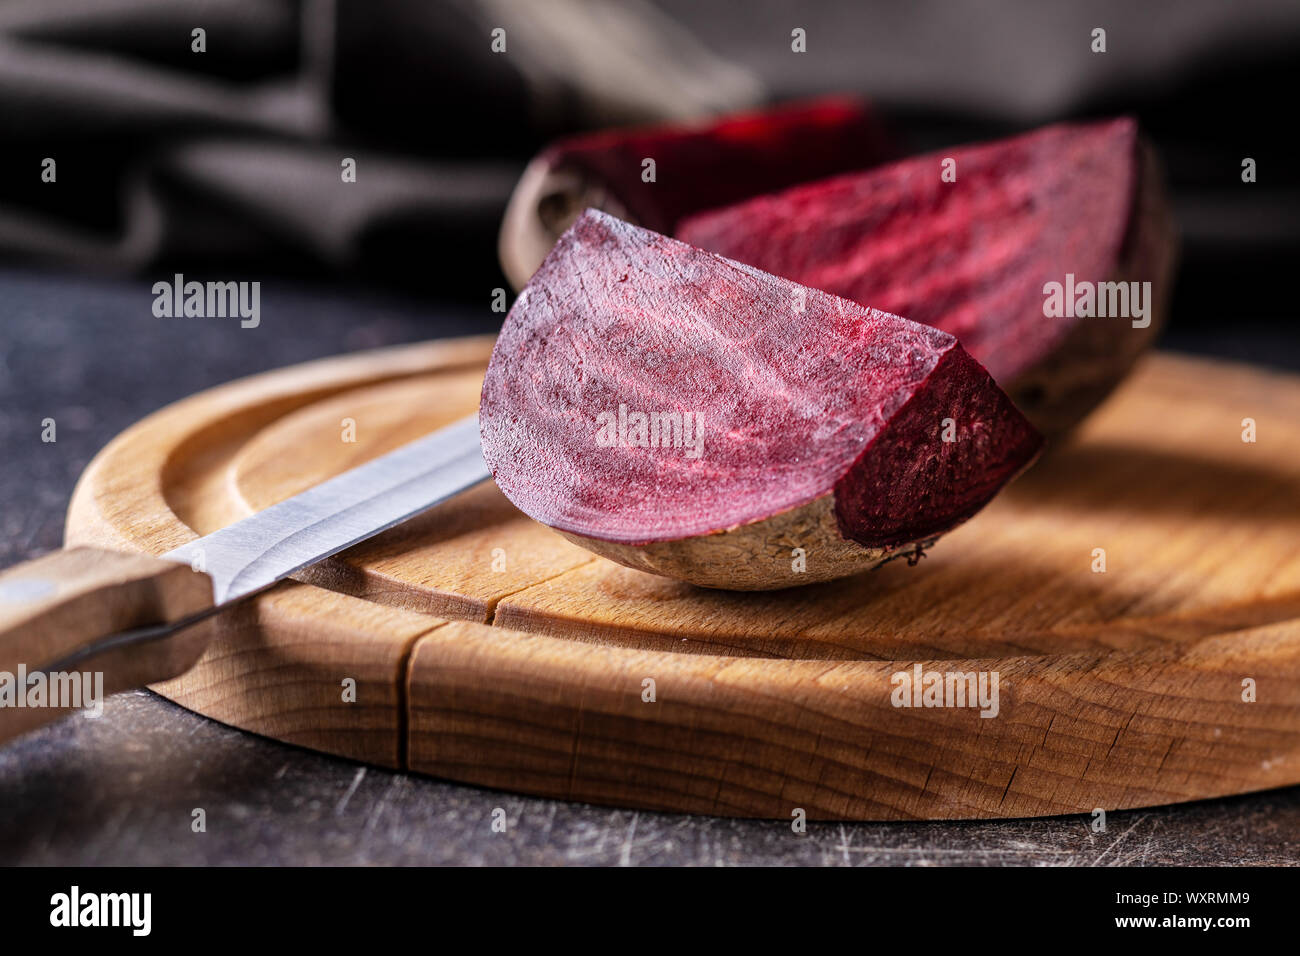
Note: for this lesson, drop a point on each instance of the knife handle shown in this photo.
(64, 603)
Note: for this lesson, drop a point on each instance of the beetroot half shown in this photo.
(697, 166)
(695, 417)
(973, 257)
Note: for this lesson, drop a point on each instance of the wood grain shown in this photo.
(1117, 689)
(762, 737)
(279, 666)
(59, 606)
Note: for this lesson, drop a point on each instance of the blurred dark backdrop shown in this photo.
(225, 164)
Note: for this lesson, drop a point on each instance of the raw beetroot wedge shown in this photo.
(1074, 205)
(691, 416)
(697, 166)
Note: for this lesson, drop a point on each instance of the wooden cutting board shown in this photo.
(485, 648)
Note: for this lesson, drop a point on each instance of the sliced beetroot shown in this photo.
(697, 166)
(823, 423)
(973, 257)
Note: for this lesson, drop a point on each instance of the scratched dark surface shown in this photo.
(122, 789)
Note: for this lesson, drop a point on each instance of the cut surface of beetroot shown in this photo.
(973, 256)
(821, 423)
(697, 166)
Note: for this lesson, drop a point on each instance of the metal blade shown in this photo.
(254, 553)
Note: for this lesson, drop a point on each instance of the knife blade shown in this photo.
(269, 546)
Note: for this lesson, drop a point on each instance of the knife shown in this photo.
(130, 617)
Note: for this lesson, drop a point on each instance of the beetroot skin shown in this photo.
(697, 166)
(972, 256)
(701, 166)
(801, 399)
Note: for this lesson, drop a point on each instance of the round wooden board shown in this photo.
(487, 649)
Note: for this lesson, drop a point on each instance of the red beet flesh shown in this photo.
(702, 166)
(970, 257)
(799, 393)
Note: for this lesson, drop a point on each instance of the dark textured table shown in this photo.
(122, 789)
